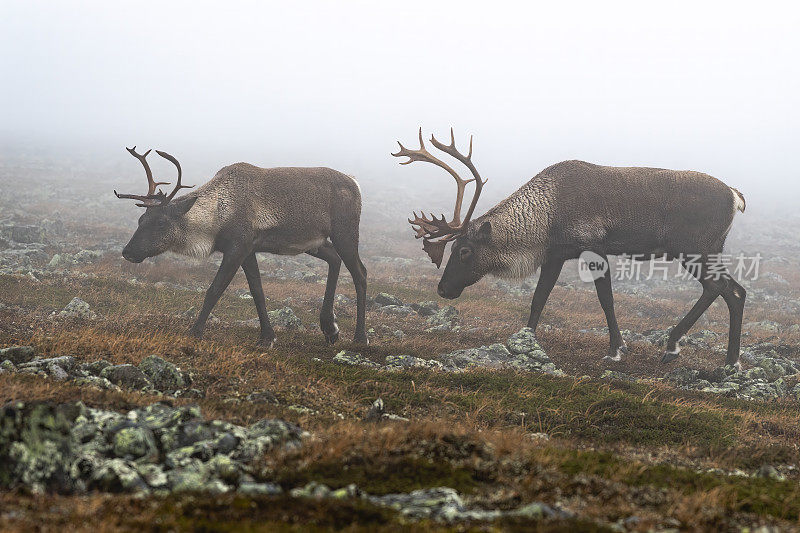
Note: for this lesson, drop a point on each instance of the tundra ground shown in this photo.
(632, 453)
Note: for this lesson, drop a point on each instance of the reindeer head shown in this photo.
(161, 225)
(468, 261)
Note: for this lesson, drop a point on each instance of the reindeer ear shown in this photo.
(182, 207)
(484, 233)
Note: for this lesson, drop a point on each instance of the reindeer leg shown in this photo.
(711, 289)
(327, 318)
(606, 296)
(347, 248)
(250, 267)
(734, 295)
(231, 261)
(547, 280)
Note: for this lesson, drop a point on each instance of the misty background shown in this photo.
(705, 86)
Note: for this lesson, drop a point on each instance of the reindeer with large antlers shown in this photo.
(245, 209)
(573, 207)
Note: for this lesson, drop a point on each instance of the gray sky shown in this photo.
(707, 86)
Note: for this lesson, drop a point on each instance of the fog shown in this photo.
(710, 87)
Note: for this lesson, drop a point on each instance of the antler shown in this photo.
(150, 198)
(153, 198)
(435, 228)
(423, 155)
(178, 185)
(467, 161)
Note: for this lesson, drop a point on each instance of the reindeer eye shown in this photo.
(465, 254)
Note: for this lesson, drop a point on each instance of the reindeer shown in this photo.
(573, 207)
(245, 209)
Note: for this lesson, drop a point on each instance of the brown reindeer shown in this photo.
(573, 207)
(245, 209)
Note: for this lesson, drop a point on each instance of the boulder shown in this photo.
(127, 376)
(285, 318)
(17, 354)
(384, 299)
(523, 341)
(164, 376)
(77, 308)
(428, 308)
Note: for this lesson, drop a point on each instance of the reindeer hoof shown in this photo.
(617, 354)
(266, 343)
(670, 355)
(331, 338)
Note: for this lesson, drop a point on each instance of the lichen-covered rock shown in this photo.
(428, 308)
(498, 356)
(17, 354)
(72, 448)
(682, 376)
(163, 375)
(346, 357)
(398, 310)
(493, 356)
(134, 442)
(523, 341)
(766, 380)
(95, 367)
(77, 308)
(250, 488)
(401, 362)
(127, 376)
(384, 299)
(445, 319)
(24, 233)
(285, 318)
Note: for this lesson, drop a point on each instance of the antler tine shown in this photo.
(422, 154)
(151, 185)
(178, 185)
(466, 160)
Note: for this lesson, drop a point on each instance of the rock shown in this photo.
(65, 362)
(162, 374)
(95, 381)
(428, 308)
(77, 308)
(117, 475)
(250, 488)
(262, 397)
(134, 442)
(26, 234)
(346, 357)
(769, 472)
(17, 354)
(95, 367)
(402, 362)
(312, 489)
(61, 261)
(127, 376)
(58, 373)
(384, 299)
(523, 341)
(285, 318)
(682, 376)
(616, 375)
(444, 319)
(399, 310)
(72, 448)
